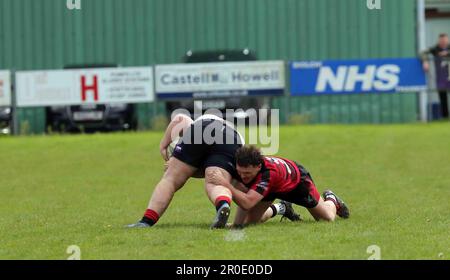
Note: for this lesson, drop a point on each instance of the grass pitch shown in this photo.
(57, 191)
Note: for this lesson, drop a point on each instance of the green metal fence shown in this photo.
(44, 34)
(350, 109)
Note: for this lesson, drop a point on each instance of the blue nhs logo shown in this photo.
(356, 76)
(352, 78)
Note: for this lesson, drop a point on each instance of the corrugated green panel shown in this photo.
(31, 120)
(43, 34)
(7, 32)
(368, 108)
(149, 114)
(161, 31)
(144, 116)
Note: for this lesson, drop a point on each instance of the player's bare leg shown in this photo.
(329, 207)
(173, 179)
(215, 191)
(257, 213)
(267, 215)
(219, 195)
(282, 208)
(325, 210)
(268, 210)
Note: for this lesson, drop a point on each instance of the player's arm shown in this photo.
(238, 185)
(240, 217)
(245, 200)
(175, 129)
(241, 214)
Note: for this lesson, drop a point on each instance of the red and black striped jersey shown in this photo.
(277, 175)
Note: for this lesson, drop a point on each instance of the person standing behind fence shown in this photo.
(441, 54)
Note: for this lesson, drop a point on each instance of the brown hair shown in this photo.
(249, 156)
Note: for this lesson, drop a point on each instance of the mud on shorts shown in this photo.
(304, 194)
(217, 149)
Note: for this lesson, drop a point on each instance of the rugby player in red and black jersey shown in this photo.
(266, 178)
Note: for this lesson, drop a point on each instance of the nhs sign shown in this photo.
(356, 76)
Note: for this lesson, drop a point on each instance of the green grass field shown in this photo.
(57, 191)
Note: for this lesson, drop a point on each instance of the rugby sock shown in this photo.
(150, 217)
(278, 209)
(221, 200)
(274, 210)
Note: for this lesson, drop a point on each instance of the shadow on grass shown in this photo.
(184, 225)
(171, 226)
(284, 223)
(268, 224)
(206, 226)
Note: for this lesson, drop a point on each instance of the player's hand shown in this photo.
(163, 152)
(218, 178)
(166, 166)
(426, 66)
(236, 226)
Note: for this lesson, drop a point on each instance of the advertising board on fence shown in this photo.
(356, 76)
(5, 88)
(225, 79)
(85, 86)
